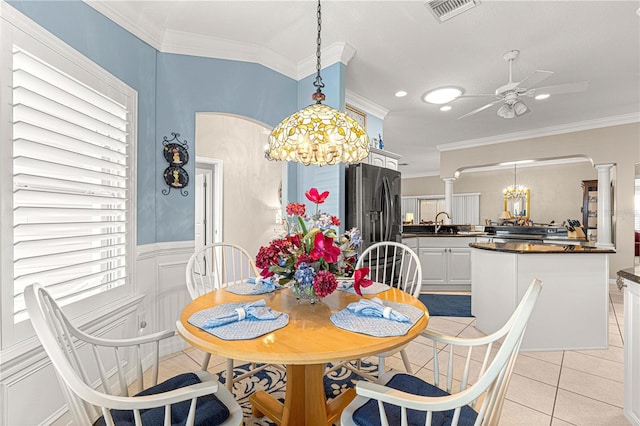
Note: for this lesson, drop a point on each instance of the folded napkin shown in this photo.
(375, 308)
(265, 285)
(254, 311)
(345, 285)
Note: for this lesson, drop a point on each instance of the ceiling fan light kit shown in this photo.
(509, 94)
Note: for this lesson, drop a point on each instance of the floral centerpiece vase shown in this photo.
(311, 255)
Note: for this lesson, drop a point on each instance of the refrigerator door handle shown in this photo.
(388, 203)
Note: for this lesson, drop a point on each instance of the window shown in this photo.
(73, 145)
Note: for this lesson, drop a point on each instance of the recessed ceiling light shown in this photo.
(401, 93)
(445, 108)
(442, 95)
(541, 96)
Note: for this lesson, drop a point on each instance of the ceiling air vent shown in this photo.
(447, 9)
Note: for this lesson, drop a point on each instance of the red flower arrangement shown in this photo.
(312, 254)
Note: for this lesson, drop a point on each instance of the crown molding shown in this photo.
(336, 52)
(428, 173)
(184, 43)
(365, 105)
(546, 131)
(146, 32)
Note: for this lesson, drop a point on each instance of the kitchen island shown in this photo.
(573, 308)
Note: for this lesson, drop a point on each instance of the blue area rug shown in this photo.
(447, 305)
(273, 381)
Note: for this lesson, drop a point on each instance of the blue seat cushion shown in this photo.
(210, 411)
(368, 414)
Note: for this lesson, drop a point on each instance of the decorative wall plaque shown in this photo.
(176, 153)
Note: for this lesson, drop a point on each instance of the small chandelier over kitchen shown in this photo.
(318, 134)
(515, 191)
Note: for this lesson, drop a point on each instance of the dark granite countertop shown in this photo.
(538, 248)
(468, 234)
(631, 274)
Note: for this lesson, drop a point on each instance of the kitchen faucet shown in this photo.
(436, 220)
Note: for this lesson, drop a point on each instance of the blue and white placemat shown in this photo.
(378, 327)
(246, 288)
(374, 288)
(241, 330)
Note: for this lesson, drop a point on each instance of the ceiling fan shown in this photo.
(509, 94)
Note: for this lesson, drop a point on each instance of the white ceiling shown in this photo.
(400, 45)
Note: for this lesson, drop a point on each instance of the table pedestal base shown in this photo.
(304, 402)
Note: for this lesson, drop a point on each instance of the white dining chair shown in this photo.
(93, 372)
(216, 266)
(479, 367)
(397, 265)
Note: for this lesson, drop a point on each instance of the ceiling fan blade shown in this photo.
(534, 79)
(559, 89)
(478, 95)
(482, 108)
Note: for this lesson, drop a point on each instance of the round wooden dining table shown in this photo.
(305, 345)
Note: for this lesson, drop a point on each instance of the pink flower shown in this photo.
(324, 283)
(296, 209)
(335, 220)
(360, 280)
(323, 247)
(313, 196)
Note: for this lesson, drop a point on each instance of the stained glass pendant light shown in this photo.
(318, 134)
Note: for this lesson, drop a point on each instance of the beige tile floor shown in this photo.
(583, 388)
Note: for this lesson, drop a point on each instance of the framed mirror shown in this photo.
(516, 202)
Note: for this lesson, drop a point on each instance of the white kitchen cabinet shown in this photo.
(381, 158)
(572, 311)
(434, 267)
(446, 263)
(632, 351)
(459, 266)
(412, 243)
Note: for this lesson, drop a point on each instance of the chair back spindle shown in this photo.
(218, 265)
(482, 368)
(95, 372)
(394, 264)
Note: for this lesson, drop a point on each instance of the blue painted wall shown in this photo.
(190, 84)
(325, 178)
(171, 89)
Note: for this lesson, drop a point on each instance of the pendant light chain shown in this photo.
(318, 134)
(318, 96)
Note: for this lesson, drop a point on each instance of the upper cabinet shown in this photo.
(382, 158)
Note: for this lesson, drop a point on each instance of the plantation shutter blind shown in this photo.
(70, 184)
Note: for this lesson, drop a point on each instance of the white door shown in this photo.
(203, 211)
(208, 202)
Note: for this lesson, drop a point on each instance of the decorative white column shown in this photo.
(448, 198)
(604, 206)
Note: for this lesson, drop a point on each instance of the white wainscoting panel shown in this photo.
(29, 390)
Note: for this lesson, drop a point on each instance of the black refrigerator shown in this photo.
(373, 203)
